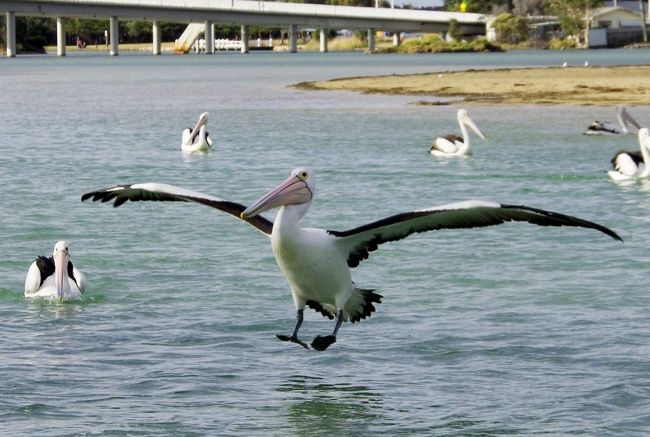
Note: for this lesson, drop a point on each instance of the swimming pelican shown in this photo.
(606, 128)
(453, 145)
(55, 277)
(197, 139)
(317, 262)
(632, 165)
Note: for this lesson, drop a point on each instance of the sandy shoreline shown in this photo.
(628, 85)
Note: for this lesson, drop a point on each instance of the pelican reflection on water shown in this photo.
(316, 262)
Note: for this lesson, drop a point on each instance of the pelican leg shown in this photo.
(294, 336)
(321, 343)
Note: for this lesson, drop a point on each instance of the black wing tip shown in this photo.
(106, 195)
(568, 219)
(86, 196)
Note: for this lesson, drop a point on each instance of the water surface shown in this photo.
(514, 329)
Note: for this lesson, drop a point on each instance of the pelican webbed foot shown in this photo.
(292, 339)
(321, 343)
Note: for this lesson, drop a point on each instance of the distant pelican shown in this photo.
(317, 262)
(606, 128)
(565, 64)
(632, 165)
(55, 277)
(453, 145)
(197, 139)
(586, 63)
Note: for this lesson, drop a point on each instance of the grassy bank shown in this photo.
(139, 47)
(570, 85)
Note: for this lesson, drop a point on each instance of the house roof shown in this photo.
(597, 13)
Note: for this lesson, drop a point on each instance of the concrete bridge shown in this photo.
(243, 12)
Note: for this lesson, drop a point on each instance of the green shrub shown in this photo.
(511, 29)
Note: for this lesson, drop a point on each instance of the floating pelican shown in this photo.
(197, 139)
(453, 145)
(317, 262)
(606, 128)
(632, 165)
(55, 277)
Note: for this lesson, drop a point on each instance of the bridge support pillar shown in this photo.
(155, 34)
(10, 25)
(114, 35)
(396, 39)
(244, 38)
(323, 40)
(208, 33)
(60, 37)
(371, 40)
(293, 38)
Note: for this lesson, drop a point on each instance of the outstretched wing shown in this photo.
(169, 193)
(359, 242)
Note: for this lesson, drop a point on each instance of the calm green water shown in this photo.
(514, 329)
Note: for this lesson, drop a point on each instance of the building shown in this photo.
(615, 26)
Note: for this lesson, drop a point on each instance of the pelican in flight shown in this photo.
(453, 145)
(197, 139)
(607, 128)
(632, 165)
(317, 262)
(55, 277)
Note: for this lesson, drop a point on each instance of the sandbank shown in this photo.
(627, 85)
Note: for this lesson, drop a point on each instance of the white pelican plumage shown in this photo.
(55, 277)
(453, 145)
(317, 262)
(607, 128)
(632, 165)
(197, 139)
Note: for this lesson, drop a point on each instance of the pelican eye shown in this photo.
(303, 175)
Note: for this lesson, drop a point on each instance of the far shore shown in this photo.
(583, 85)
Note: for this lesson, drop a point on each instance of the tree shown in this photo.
(574, 16)
(511, 29)
(33, 34)
(525, 7)
(454, 30)
(2, 33)
(478, 6)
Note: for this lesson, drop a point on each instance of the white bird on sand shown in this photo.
(197, 139)
(607, 128)
(55, 277)
(632, 165)
(453, 145)
(317, 262)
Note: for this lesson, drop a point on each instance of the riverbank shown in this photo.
(628, 85)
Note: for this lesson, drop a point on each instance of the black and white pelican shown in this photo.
(607, 128)
(628, 165)
(197, 139)
(452, 145)
(317, 262)
(55, 277)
